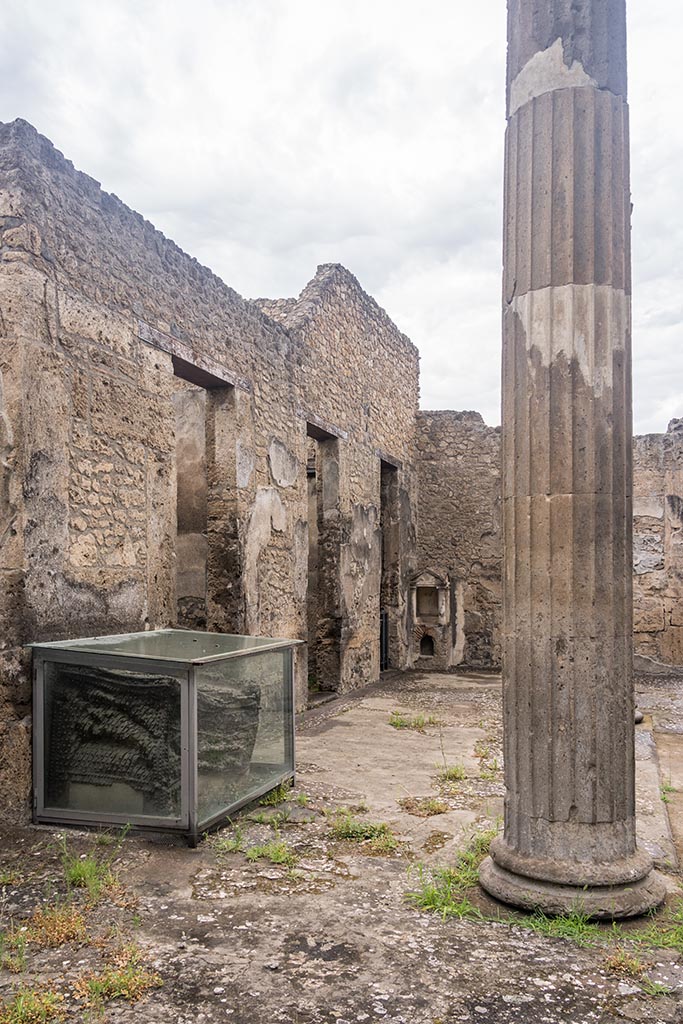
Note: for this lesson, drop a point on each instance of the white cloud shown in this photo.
(267, 136)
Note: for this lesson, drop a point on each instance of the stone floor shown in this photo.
(332, 938)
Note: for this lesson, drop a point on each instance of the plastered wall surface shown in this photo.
(98, 311)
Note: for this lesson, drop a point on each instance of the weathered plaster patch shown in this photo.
(545, 72)
(268, 514)
(283, 465)
(8, 510)
(651, 506)
(564, 322)
(245, 465)
(458, 652)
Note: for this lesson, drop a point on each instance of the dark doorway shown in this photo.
(204, 417)
(324, 530)
(191, 504)
(427, 646)
(390, 575)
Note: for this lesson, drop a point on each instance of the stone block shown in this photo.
(648, 615)
(92, 321)
(648, 552)
(672, 645)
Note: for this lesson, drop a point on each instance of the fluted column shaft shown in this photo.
(567, 631)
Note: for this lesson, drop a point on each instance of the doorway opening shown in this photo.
(199, 400)
(390, 572)
(324, 530)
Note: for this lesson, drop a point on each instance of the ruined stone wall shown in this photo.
(96, 305)
(459, 536)
(101, 315)
(359, 381)
(658, 545)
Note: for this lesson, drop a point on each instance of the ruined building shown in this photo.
(173, 454)
(459, 468)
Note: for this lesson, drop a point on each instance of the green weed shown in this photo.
(93, 871)
(376, 836)
(126, 978)
(489, 770)
(452, 773)
(13, 950)
(418, 722)
(276, 851)
(276, 796)
(482, 750)
(665, 791)
(654, 988)
(229, 844)
(441, 891)
(345, 826)
(89, 873)
(33, 1006)
(384, 843)
(665, 930)
(575, 925)
(446, 890)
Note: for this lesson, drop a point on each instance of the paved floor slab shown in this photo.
(333, 937)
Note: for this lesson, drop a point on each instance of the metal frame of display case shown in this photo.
(184, 670)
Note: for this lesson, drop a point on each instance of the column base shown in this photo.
(599, 902)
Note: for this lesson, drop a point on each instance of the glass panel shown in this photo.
(243, 728)
(168, 644)
(112, 741)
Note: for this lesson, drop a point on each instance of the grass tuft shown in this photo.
(452, 773)
(13, 950)
(443, 891)
(624, 964)
(665, 930)
(423, 807)
(377, 835)
(93, 871)
(446, 890)
(276, 796)
(89, 873)
(575, 925)
(665, 791)
(33, 1006)
(655, 988)
(125, 978)
(56, 925)
(276, 851)
(229, 844)
(417, 723)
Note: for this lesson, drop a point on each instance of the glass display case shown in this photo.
(171, 730)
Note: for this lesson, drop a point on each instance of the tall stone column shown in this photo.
(569, 838)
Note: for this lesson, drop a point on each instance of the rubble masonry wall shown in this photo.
(97, 309)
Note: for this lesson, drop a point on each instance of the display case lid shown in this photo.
(192, 647)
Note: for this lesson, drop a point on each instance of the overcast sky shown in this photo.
(268, 136)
